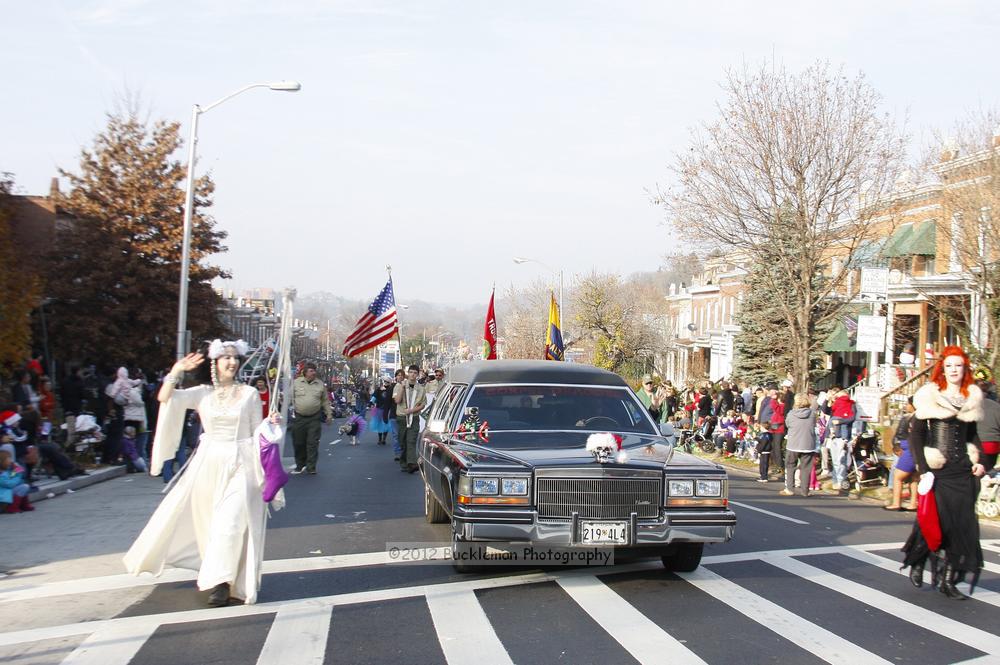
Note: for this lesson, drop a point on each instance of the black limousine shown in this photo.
(563, 455)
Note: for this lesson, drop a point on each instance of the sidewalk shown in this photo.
(49, 488)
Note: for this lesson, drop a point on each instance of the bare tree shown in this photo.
(968, 165)
(792, 169)
(523, 319)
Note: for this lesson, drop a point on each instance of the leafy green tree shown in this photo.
(118, 260)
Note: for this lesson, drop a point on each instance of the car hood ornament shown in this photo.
(606, 447)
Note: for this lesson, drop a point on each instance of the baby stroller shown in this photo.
(867, 467)
(703, 435)
(988, 504)
(84, 438)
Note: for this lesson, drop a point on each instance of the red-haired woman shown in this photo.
(943, 441)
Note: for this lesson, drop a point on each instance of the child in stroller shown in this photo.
(868, 468)
(989, 501)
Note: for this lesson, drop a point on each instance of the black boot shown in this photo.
(917, 575)
(220, 595)
(947, 584)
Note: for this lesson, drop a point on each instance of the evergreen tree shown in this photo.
(118, 260)
(760, 349)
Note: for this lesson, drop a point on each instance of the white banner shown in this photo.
(867, 400)
(874, 285)
(871, 333)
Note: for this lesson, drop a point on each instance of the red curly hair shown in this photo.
(937, 374)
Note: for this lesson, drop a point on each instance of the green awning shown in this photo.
(869, 254)
(844, 336)
(839, 340)
(899, 243)
(924, 240)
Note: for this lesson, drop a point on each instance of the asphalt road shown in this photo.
(805, 580)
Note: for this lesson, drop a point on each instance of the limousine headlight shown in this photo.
(492, 490)
(701, 492)
(484, 485)
(708, 488)
(514, 486)
(680, 488)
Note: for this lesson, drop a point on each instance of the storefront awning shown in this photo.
(899, 243)
(868, 254)
(924, 240)
(910, 239)
(844, 336)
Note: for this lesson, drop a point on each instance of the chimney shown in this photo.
(54, 188)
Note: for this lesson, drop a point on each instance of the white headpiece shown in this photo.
(218, 347)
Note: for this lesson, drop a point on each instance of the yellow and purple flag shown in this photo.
(553, 334)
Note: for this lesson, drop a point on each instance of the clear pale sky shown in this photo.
(446, 137)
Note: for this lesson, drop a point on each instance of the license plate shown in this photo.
(595, 533)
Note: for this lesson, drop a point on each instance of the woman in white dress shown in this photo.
(213, 519)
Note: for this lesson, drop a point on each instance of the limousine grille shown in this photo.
(598, 498)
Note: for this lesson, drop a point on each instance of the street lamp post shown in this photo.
(196, 111)
(562, 306)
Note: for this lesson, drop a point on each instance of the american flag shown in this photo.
(378, 324)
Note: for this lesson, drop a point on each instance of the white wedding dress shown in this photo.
(213, 519)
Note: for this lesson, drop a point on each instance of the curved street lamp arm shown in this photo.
(211, 106)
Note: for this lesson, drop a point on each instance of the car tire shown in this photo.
(685, 558)
(433, 511)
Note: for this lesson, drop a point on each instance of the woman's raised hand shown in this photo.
(188, 363)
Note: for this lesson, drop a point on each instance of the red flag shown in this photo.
(490, 332)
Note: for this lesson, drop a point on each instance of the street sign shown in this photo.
(871, 333)
(874, 285)
(867, 399)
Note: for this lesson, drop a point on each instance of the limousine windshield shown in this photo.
(559, 408)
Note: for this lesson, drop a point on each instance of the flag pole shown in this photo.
(399, 337)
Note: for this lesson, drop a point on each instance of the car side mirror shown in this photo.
(667, 430)
(436, 426)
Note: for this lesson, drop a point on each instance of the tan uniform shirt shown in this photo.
(311, 396)
(409, 397)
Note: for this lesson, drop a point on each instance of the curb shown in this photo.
(77, 482)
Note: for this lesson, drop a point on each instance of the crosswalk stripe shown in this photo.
(641, 637)
(991, 547)
(298, 635)
(988, 659)
(807, 635)
(111, 645)
(954, 630)
(980, 594)
(463, 629)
